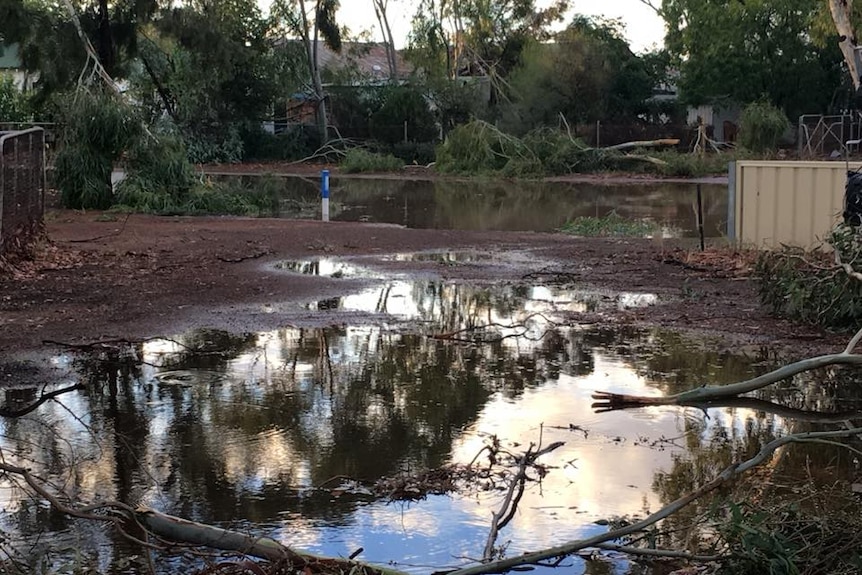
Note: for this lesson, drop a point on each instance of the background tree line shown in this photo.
(208, 72)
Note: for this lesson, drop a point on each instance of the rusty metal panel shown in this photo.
(22, 187)
(788, 202)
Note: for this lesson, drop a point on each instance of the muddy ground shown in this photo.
(107, 277)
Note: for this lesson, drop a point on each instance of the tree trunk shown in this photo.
(106, 40)
(311, 44)
(388, 41)
(841, 13)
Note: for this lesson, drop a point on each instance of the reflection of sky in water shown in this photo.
(272, 415)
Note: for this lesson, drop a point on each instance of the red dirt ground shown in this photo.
(102, 277)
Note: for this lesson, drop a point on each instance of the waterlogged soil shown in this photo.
(101, 277)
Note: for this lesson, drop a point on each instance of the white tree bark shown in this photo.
(841, 12)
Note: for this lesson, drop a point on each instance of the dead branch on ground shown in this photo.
(730, 473)
(514, 492)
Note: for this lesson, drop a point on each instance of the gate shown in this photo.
(22, 187)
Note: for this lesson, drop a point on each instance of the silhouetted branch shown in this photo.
(42, 399)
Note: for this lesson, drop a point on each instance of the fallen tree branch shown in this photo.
(11, 413)
(745, 403)
(509, 506)
(176, 529)
(716, 392)
(645, 144)
(729, 473)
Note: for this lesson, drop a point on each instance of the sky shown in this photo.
(644, 29)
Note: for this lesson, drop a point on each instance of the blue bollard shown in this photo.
(324, 194)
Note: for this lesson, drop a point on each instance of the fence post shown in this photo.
(731, 201)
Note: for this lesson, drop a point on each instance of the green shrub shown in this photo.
(807, 287)
(221, 144)
(400, 105)
(99, 127)
(158, 175)
(762, 126)
(295, 143)
(361, 160)
(13, 103)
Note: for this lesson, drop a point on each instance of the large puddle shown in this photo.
(264, 432)
(501, 205)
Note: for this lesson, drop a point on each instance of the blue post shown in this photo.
(324, 193)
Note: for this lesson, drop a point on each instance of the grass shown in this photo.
(360, 160)
(611, 225)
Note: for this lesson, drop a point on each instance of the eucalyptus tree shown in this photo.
(478, 37)
(745, 51)
(587, 73)
(49, 44)
(381, 11)
(312, 21)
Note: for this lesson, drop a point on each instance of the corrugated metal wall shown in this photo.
(794, 203)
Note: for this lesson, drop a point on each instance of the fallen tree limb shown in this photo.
(507, 509)
(12, 413)
(729, 473)
(748, 403)
(645, 144)
(170, 528)
(704, 394)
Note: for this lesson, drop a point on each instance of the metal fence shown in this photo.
(22, 187)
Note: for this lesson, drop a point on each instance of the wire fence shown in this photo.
(22, 187)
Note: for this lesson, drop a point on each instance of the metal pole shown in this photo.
(324, 194)
(700, 217)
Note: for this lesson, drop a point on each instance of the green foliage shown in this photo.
(361, 160)
(480, 148)
(743, 51)
(762, 126)
(755, 546)
(419, 153)
(211, 71)
(611, 225)
(295, 143)
(492, 33)
(400, 105)
(13, 104)
(379, 113)
(158, 171)
(588, 74)
(232, 196)
(806, 287)
(98, 129)
(222, 145)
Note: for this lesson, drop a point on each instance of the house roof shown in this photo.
(9, 59)
(369, 57)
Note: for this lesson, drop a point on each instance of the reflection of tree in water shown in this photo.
(809, 468)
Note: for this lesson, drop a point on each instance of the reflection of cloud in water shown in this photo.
(600, 476)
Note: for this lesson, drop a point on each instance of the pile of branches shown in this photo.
(819, 287)
(481, 148)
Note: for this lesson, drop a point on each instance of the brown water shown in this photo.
(239, 430)
(501, 205)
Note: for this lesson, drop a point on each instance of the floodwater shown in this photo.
(281, 433)
(500, 205)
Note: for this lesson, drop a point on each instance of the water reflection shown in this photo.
(240, 429)
(503, 205)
